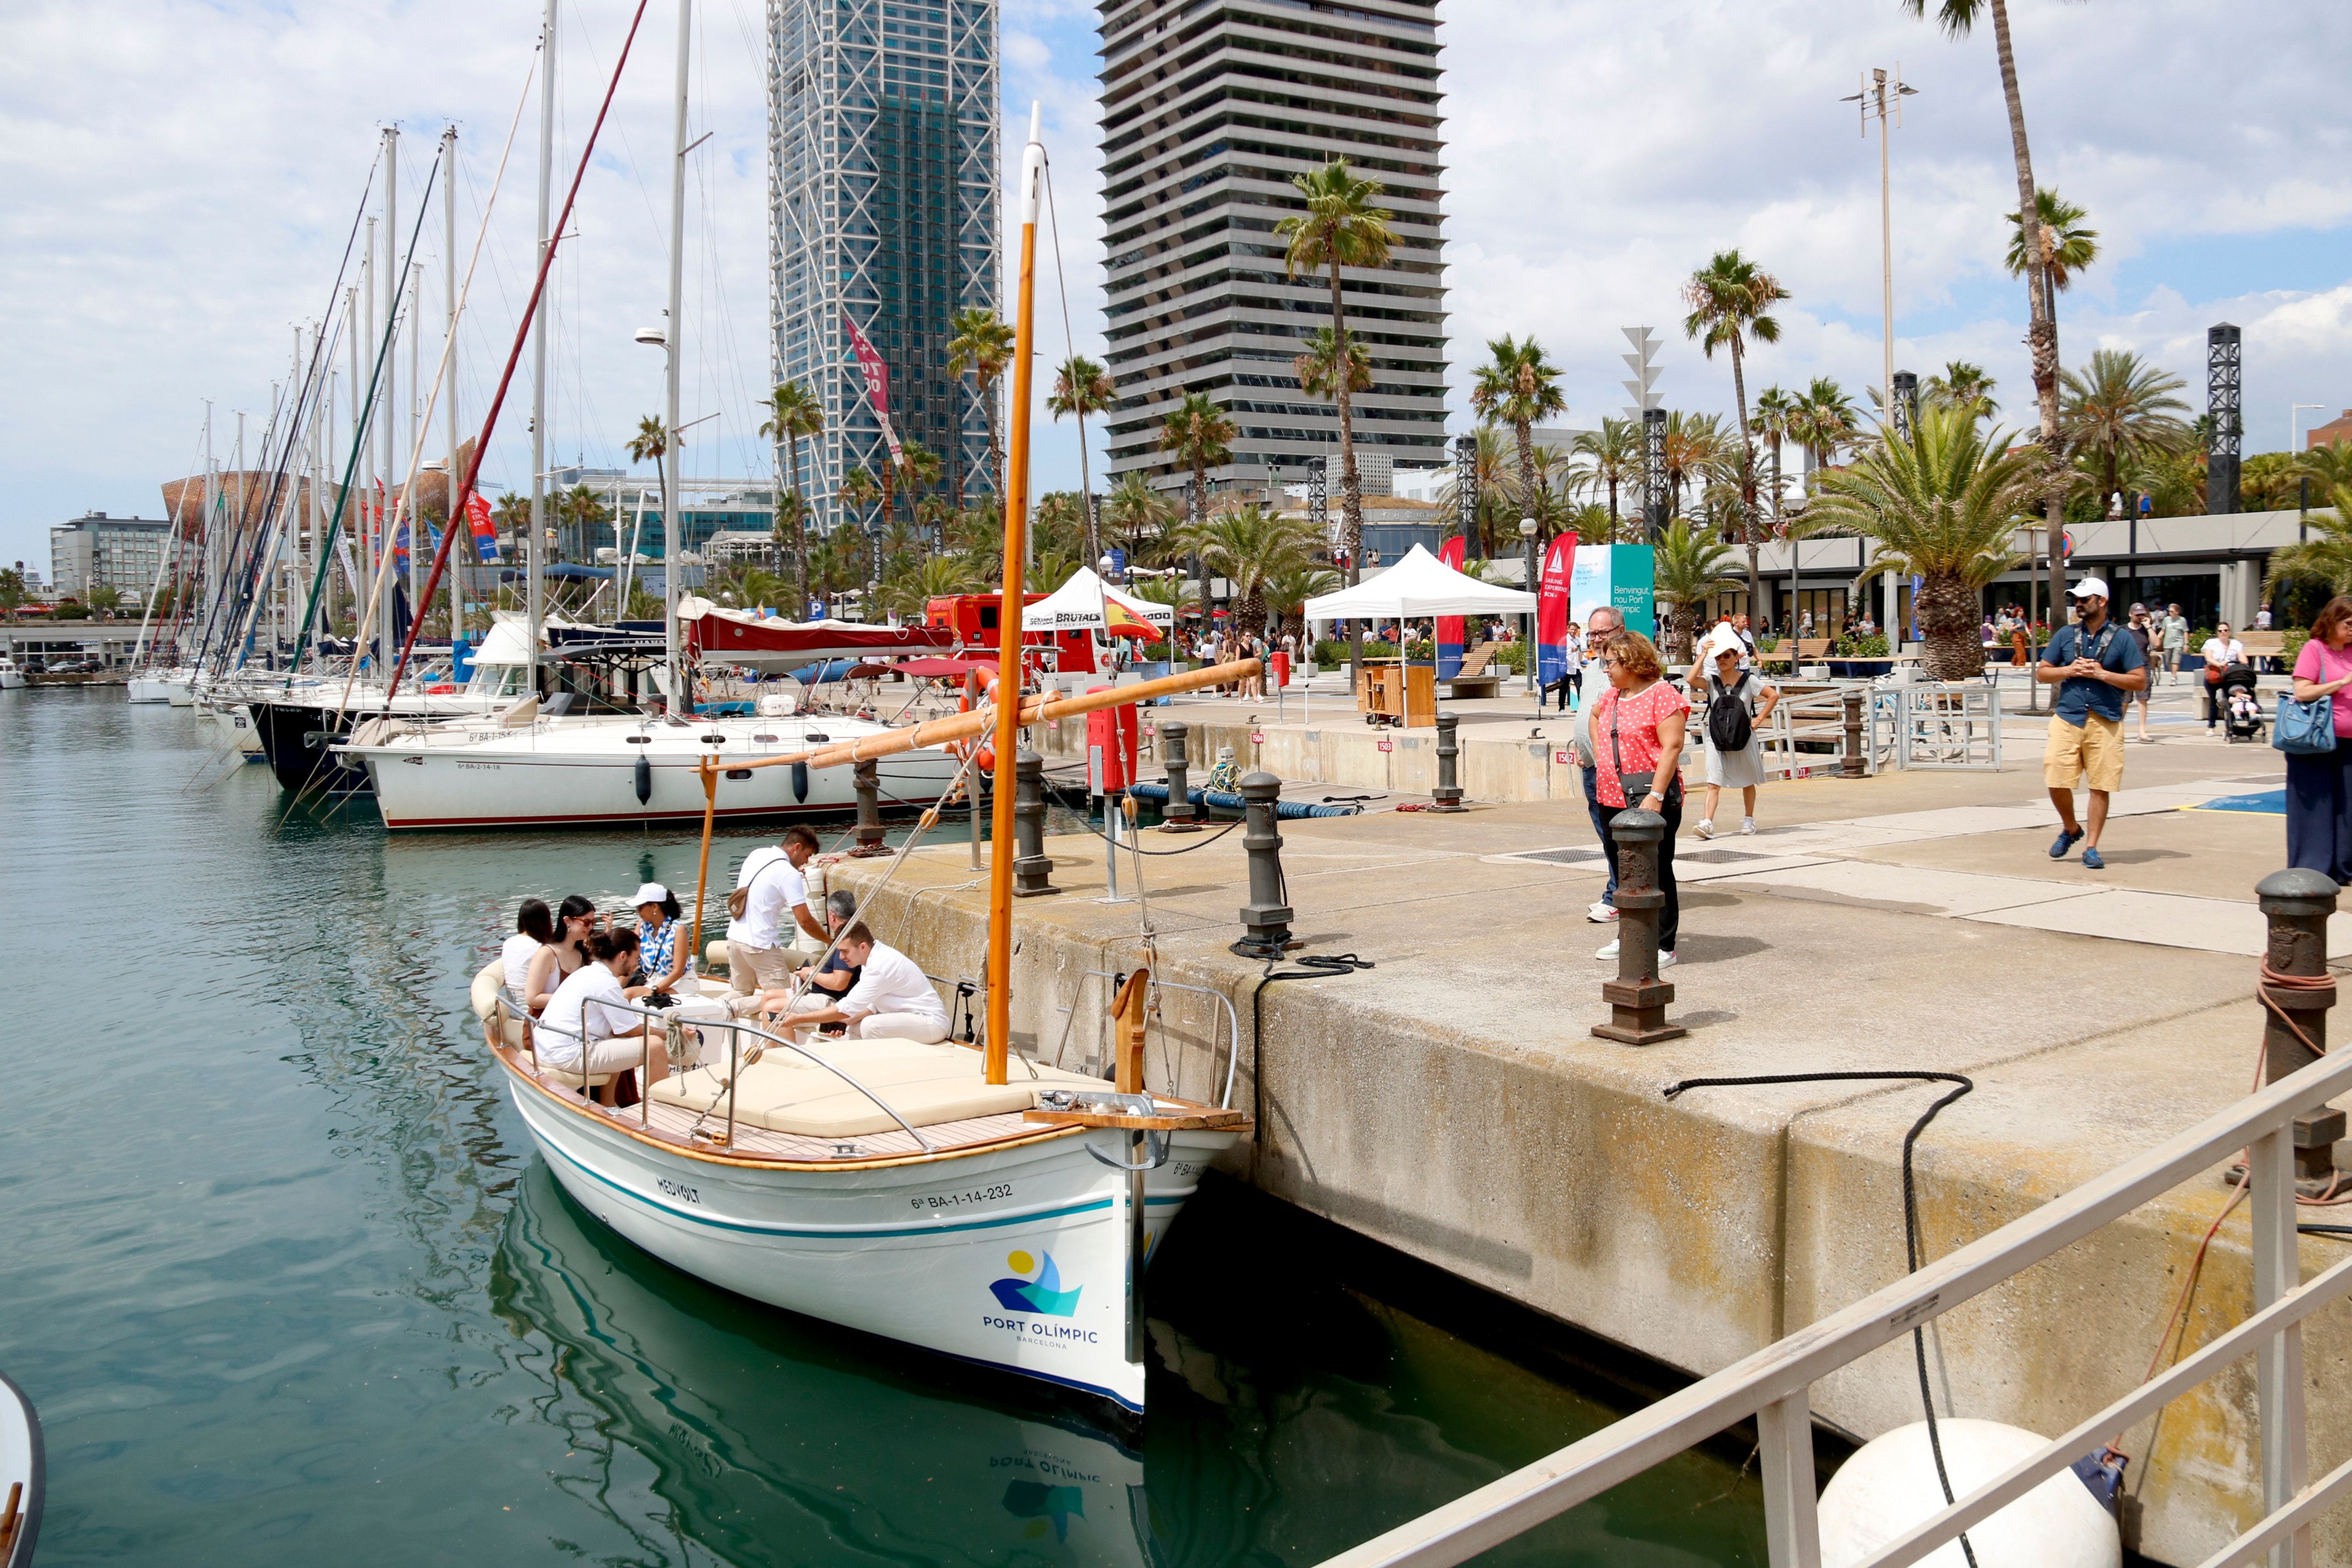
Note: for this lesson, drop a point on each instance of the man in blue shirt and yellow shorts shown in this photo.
(2093, 663)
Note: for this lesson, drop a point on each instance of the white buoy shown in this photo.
(1890, 1486)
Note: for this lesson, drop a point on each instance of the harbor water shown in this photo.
(290, 1285)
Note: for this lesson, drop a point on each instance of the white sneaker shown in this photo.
(1602, 913)
(1606, 953)
(1668, 960)
(1707, 828)
(1747, 828)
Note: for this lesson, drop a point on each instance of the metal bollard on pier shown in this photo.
(1032, 867)
(1266, 919)
(1637, 998)
(2297, 990)
(867, 778)
(1853, 765)
(1180, 816)
(1447, 796)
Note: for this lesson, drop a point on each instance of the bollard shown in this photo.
(1447, 796)
(1852, 766)
(1031, 865)
(2297, 904)
(1180, 816)
(1265, 918)
(868, 780)
(1637, 998)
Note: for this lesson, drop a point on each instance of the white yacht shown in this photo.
(172, 686)
(12, 674)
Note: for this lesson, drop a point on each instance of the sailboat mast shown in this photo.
(450, 515)
(1008, 620)
(680, 687)
(387, 400)
(534, 591)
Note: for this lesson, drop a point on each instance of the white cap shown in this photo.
(651, 893)
(2089, 588)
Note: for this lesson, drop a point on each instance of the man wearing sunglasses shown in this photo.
(1603, 624)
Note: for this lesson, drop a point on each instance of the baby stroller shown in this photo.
(2242, 704)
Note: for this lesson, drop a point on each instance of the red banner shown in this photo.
(877, 385)
(485, 531)
(1551, 610)
(1449, 628)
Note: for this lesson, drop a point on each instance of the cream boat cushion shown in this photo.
(925, 1084)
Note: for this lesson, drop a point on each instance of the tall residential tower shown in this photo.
(882, 193)
(1208, 112)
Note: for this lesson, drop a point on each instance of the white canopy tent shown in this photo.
(1079, 603)
(1420, 585)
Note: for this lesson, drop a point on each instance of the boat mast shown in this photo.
(354, 329)
(1008, 621)
(680, 687)
(450, 516)
(534, 590)
(386, 400)
(364, 599)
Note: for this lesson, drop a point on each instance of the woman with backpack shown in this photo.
(1736, 702)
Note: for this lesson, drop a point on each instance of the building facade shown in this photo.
(1208, 113)
(629, 512)
(882, 192)
(95, 550)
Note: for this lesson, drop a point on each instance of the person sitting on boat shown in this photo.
(534, 929)
(769, 886)
(893, 999)
(576, 922)
(833, 977)
(588, 1028)
(661, 955)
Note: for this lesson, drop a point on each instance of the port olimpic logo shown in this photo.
(1034, 1289)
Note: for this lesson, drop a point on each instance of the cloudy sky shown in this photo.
(180, 180)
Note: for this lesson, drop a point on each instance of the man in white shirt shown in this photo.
(773, 888)
(2220, 651)
(893, 999)
(588, 1026)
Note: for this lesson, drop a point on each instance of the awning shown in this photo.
(1086, 602)
(1420, 585)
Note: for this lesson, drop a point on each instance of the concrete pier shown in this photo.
(1452, 1102)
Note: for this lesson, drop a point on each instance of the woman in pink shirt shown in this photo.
(1637, 728)
(2319, 788)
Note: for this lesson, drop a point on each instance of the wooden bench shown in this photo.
(2261, 645)
(1472, 680)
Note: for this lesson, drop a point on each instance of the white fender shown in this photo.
(1890, 1485)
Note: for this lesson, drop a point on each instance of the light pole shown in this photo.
(665, 464)
(1881, 99)
(1527, 554)
(2294, 423)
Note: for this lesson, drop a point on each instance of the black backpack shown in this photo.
(1728, 728)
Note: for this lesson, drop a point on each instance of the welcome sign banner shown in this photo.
(1551, 610)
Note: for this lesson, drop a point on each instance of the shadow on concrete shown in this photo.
(1696, 948)
(2141, 857)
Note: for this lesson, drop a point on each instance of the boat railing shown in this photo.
(736, 1062)
(1232, 1024)
(1773, 1386)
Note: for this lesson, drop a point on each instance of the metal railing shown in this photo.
(1233, 1052)
(1936, 725)
(1809, 715)
(1773, 1386)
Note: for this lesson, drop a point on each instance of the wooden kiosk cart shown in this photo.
(1393, 692)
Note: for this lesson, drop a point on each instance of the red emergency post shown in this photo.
(1112, 741)
(1280, 660)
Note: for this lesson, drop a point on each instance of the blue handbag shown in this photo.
(2304, 728)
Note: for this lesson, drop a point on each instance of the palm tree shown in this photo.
(1698, 449)
(1825, 420)
(977, 533)
(2327, 555)
(983, 345)
(2328, 465)
(2120, 410)
(1730, 300)
(917, 466)
(1775, 416)
(1198, 436)
(1957, 17)
(651, 443)
(1287, 592)
(1962, 385)
(1616, 453)
(1943, 506)
(1516, 386)
(1138, 515)
(1172, 591)
(837, 563)
(1248, 545)
(859, 489)
(1343, 225)
(794, 413)
(788, 534)
(2067, 247)
(911, 591)
(1082, 387)
(1690, 566)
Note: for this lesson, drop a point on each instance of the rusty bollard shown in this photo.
(1266, 919)
(1637, 998)
(1852, 766)
(1447, 796)
(865, 777)
(1031, 865)
(2298, 903)
(1180, 816)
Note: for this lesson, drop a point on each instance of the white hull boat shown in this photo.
(172, 686)
(595, 771)
(235, 725)
(12, 674)
(22, 1475)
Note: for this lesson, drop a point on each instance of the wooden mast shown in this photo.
(1008, 619)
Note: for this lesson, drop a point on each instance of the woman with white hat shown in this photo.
(1731, 693)
(663, 955)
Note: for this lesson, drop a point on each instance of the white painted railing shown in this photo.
(1773, 1386)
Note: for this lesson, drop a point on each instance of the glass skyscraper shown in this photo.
(883, 176)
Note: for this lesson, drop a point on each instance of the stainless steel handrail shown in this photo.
(1773, 1386)
(1233, 1023)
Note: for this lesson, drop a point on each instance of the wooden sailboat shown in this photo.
(966, 1201)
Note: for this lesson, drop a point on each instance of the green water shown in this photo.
(290, 1285)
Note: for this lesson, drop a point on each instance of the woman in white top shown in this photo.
(2220, 651)
(893, 999)
(567, 954)
(589, 1028)
(534, 929)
